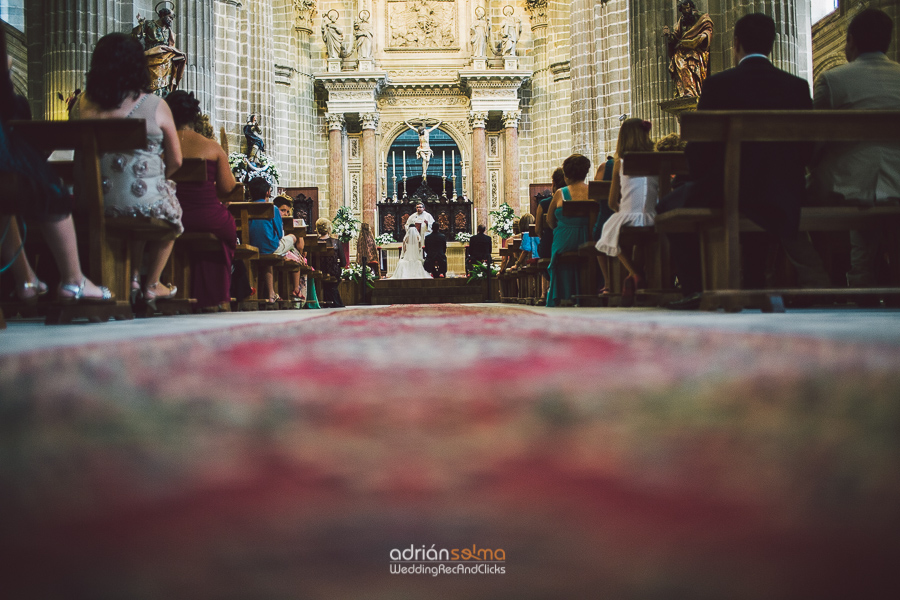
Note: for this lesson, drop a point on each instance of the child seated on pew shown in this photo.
(529, 244)
(285, 206)
(633, 200)
(268, 234)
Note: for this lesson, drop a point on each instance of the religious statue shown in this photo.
(480, 34)
(365, 38)
(255, 143)
(332, 35)
(689, 49)
(424, 150)
(164, 61)
(510, 30)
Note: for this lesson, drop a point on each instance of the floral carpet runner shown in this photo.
(451, 452)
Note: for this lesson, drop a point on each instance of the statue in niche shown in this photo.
(365, 38)
(332, 35)
(165, 62)
(510, 30)
(689, 49)
(480, 33)
(424, 151)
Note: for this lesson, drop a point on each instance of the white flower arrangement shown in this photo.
(353, 272)
(344, 226)
(385, 239)
(502, 221)
(480, 270)
(244, 170)
(463, 237)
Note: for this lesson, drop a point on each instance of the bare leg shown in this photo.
(603, 261)
(157, 256)
(137, 258)
(269, 278)
(20, 269)
(60, 236)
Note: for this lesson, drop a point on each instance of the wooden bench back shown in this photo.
(661, 164)
(734, 127)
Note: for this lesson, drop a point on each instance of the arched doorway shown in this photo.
(445, 163)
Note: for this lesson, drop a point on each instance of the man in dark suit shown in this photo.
(436, 253)
(772, 175)
(480, 248)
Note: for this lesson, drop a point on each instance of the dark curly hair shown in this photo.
(185, 108)
(118, 70)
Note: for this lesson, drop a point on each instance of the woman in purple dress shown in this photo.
(202, 209)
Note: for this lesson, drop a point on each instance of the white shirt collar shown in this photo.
(754, 56)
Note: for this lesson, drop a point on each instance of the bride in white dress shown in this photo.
(412, 259)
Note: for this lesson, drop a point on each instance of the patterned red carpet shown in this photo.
(548, 457)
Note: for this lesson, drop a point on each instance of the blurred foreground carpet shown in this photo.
(309, 460)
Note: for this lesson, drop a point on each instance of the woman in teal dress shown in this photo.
(568, 232)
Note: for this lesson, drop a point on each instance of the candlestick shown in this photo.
(404, 165)
(443, 163)
(394, 170)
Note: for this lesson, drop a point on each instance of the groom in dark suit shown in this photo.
(772, 175)
(436, 253)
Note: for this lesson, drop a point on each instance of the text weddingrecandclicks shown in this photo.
(442, 561)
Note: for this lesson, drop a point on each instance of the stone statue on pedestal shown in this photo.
(365, 38)
(510, 31)
(480, 33)
(333, 36)
(165, 62)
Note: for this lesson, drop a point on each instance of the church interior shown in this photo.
(457, 438)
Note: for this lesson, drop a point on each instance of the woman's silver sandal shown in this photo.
(77, 292)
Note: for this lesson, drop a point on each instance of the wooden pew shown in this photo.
(243, 212)
(107, 253)
(719, 230)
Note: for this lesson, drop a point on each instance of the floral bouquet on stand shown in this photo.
(244, 170)
(481, 270)
(385, 239)
(463, 237)
(502, 221)
(354, 272)
(344, 226)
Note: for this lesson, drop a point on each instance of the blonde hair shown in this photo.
(634, 136)
(671, 143)
(525, 221)
(323, 226)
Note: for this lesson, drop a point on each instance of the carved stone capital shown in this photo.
(370, 120)
(477, 120)
(304, 12)
(538, 11)
(335, 121)
(511, 119)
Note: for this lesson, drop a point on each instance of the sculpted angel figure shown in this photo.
(480, 33)
(689, 49)
(424, 150)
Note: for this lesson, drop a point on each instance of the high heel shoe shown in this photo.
(77, 294)
(151, 293)
(30, 291)
(136, 294)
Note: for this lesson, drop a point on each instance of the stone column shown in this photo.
(335, 161)
(479, 166)
(369, 167)
(195, 35)
(511, 164)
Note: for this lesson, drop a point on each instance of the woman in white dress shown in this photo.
(412, 258)
(633, 199)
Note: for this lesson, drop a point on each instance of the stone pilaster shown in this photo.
(336, 124)
(261, 71)
(477, 121)
(511, 162)
(369, 166)
(195, 36)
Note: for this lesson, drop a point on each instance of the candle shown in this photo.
(453, 163)
(443, 163)
(404, 164)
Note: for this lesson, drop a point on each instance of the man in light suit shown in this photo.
(860, 173)
(772, 175)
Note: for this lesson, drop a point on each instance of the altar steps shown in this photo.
(454, 290)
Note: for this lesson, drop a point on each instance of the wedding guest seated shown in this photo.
(135, 183)
(48, 205)
(436, 252)
(544, 231)
(480, 248)
(604, 173)
(528, 246)
(568, 232)
(633, 200)
(285, 206)
(860, 173)
(268, 234)
(509, 260)
(202, 209)
(331, 264)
